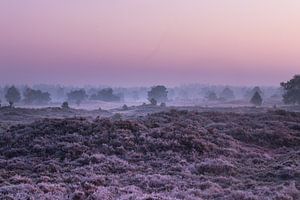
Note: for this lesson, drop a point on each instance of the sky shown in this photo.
(134, 42)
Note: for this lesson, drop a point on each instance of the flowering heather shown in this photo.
(166, 155)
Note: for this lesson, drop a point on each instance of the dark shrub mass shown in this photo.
(12, 95)
(32, 96)
(77, 96)
(292, 90)
(167, 155)
(158, 93)
(107, 95)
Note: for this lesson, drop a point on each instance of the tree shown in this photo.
(159, 93)
(65, 105)
(211, 96)
(12, 95)
(107, 95)
(227, 94)
(77, 96)
(251, 93)
(256, 99)
(36, 96)
(291, 89)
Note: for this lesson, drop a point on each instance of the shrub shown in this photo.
(65, 105)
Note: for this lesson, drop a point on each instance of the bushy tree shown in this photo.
(77, 96)
(256, 99)
(227, 94)
(107, 95)
(292, 90)
(159, 93)
(211, 96)
(36, 96)
(12, 96)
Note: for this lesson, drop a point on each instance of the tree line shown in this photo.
(38, 97)
(156, 94)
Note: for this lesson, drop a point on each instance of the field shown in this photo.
(150, 152)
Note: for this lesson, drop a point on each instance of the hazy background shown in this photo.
(134, 42)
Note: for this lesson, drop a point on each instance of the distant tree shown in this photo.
(77, 96)
(256, 99)
(106, 95)
(291, 88)
(12, 95)
(227, 94)
(159, 93)
(250, 93)
(65, 105)
(36, 96)
(211, 96)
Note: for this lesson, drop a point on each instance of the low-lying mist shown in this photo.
(92, 97)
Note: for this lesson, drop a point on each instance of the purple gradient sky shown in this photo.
(134, 42)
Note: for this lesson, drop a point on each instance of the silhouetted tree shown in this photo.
(12, 95)
(106, 95)
(227, 94)
(159, 93)
(256, 99)
(211, 96)
(77, 96)
(250, 93)
(36, 96)
(292, 90)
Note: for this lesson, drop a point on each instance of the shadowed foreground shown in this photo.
(167, 155)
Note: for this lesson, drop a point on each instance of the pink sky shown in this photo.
(134, 42)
